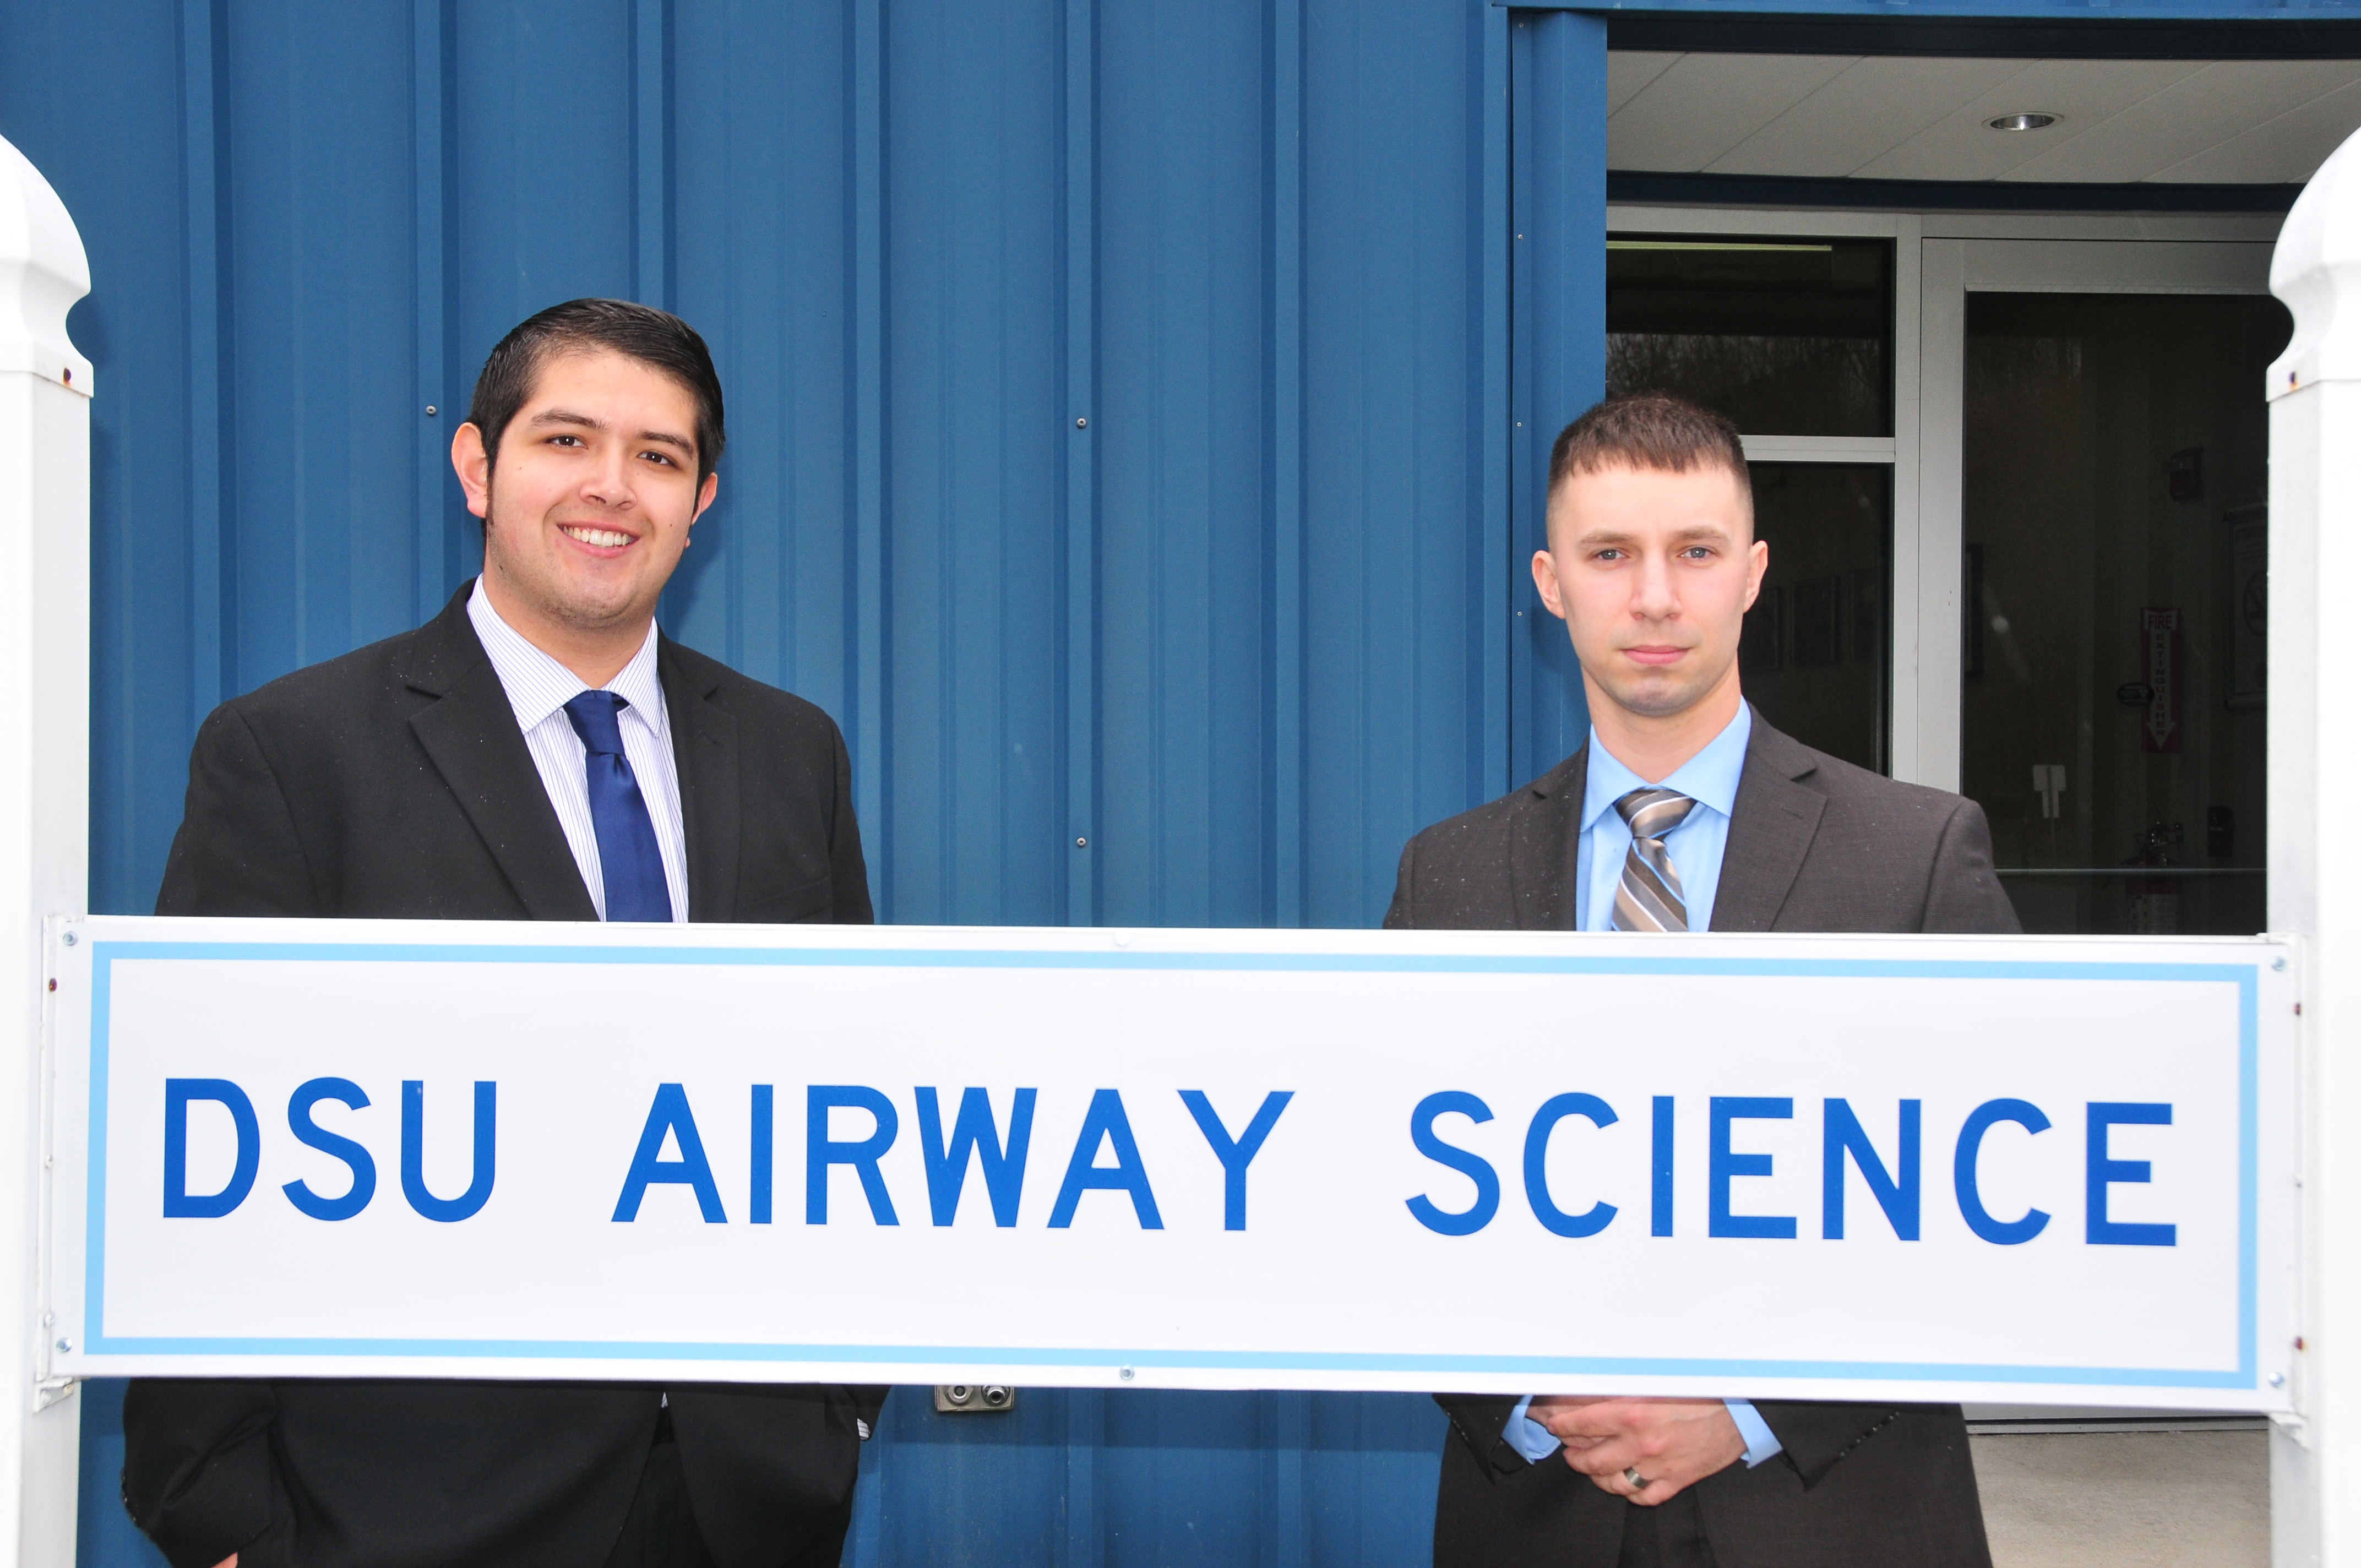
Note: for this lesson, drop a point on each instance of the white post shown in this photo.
(2315, 832)
(45, 389)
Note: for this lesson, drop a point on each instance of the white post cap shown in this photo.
(2316, 272)
(43, 271)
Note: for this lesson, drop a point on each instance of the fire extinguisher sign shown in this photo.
(2160, 642)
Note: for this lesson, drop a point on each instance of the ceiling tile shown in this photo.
(2202, 110)
(1704, 104)
(1861, 113)
(2285, 150)
(2085, 93)
(1628, 71)
(1899, 118)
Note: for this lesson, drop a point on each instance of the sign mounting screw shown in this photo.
(71, 937)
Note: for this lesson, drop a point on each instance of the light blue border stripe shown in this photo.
(2249, 1162)
(103, 955)
(929, 958)
(102, 1034)
(1247, 1361)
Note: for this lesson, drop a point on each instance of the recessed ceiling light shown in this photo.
(2028, 121)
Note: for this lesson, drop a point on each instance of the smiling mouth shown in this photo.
(599, 537)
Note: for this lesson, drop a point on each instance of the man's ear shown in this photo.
(704, 494)
(473, 463)
(1545, 580)
(1758, 563)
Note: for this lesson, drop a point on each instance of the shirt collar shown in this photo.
(1709, 778)
(538, 685)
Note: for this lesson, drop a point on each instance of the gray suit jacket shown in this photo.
(1815, 844)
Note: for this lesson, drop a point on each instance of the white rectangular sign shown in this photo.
(2026, 1169)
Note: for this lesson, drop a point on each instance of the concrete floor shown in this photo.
(2126, 1499)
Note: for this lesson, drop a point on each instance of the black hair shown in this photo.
(657, 339)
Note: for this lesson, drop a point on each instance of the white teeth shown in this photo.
(605, 538)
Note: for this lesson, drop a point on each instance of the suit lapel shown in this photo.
(471, 734)
(1546, 835)
(1771, 825)
(705, 750)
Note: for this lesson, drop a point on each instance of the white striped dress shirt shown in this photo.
(539, 687)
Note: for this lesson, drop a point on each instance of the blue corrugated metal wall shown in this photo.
(1243, 630)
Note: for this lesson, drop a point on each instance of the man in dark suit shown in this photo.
(1685, 811)
(539, 751)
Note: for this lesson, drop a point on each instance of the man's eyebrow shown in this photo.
(1690, 536)
(567, 416)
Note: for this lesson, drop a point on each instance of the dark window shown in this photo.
(1786, 336)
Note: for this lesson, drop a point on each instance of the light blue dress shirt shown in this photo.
(1709, 778)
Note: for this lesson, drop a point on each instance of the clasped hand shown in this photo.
(1673, 1444)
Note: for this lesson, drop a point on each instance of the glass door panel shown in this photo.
(1813, 655)
(2112, 474)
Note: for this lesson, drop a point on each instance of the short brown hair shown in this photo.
(1649, 430)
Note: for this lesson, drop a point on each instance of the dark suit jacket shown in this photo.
(393, 781)
(1815, 844)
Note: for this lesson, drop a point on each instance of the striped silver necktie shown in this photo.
(1648, 898)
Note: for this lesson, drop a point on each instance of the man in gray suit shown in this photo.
(1685, 811)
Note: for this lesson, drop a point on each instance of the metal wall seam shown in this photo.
(210, 599)
(1287, 677)
(429, 47)
(865, 1539)
(1559, 121)
(1083, 1543)
(1285, 1436)
(866, 612)
(1080, 723)
(1525, 623)
(651, 151)
(1496, 450)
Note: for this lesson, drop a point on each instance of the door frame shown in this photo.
(1938, 259)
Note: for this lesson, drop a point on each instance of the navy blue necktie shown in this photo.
(629, 861)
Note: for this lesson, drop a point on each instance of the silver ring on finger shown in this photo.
(1639, 1482)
